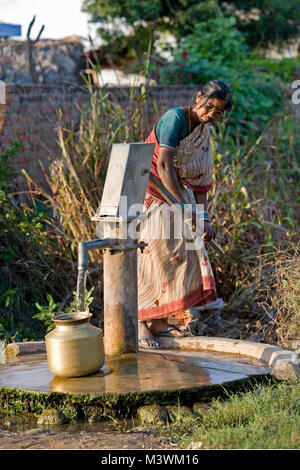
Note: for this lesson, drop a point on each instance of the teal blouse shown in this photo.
(171, 128)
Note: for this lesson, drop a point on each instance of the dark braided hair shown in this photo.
(217, 89)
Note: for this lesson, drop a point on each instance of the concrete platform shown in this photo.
(283, 364)
(184, 371)
(131, 373)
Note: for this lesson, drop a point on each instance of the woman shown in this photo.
(171, 278)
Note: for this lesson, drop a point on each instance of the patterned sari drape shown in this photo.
(172, 277)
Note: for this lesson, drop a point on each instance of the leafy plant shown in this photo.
(11, 331)
(285, 68)
(217, 50)
(46, 313)
(278, 293)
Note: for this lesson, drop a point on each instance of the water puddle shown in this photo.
(24, 422)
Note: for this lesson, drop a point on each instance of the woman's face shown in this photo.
(211, 111)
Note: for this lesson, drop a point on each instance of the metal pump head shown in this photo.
(126, 180)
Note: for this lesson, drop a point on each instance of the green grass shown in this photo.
(267, 417)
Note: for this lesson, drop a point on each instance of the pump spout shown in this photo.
(84, 247)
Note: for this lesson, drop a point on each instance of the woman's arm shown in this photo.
(167, 173)
(201, 198)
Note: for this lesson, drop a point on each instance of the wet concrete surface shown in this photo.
(142, 372)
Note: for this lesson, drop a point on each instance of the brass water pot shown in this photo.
(75, 347)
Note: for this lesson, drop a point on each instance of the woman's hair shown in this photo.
(217, 89)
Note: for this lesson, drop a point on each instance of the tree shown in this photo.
(263, 21)
(30, 47)
(175, 15)
(144, 19)
(266, 22)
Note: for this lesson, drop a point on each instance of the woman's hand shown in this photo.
(209, 233)
(204, 225)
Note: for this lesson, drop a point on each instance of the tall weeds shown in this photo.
(77, 176)
(253, 205)
(31, 261)
(278, 294)
(254, 209)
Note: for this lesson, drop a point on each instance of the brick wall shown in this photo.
(29, 115)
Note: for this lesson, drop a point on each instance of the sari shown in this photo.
(172, 278)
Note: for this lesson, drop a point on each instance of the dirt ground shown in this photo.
(48, 439)
(21, 432)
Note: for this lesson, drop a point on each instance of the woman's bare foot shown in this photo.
(159, 325)
(146, 338)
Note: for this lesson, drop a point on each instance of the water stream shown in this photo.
(81, 291)
(24, 422)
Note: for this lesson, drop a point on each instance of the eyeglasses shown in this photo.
(216, 111)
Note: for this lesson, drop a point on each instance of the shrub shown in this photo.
(254, 210)
(31, 265)
(216, 50)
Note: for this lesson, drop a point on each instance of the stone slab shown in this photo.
(131, 373)
(283, 364)
(182, 372)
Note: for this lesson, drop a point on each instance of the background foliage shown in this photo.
(262, 22)
(254, 203)
(32, 264)
(216, 49)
